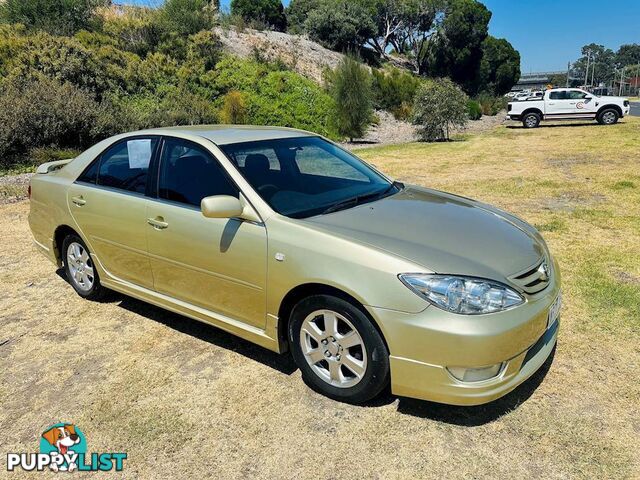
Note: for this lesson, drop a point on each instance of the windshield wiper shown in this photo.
(353, 201)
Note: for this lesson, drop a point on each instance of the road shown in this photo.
(635, 109)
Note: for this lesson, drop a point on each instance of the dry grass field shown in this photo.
(186, 400)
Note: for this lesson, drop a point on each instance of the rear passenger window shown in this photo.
(125, 165)
(558, 95)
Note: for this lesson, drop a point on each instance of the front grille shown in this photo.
(535, 278)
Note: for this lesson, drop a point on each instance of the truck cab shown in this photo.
(568, 104)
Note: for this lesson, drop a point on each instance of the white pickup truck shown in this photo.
(568, 104)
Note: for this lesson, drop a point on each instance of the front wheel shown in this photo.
(531, 120)
(608, 116)
(338, 350)
(79, 268)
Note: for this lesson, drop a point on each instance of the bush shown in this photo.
(135, 29)
(44, 112)
(350, 85)
(60, 17)
(186, 17)
(234, 108)
(491, 105)
(261, 13)
(439, 105)
(393, 90)
(474, 110)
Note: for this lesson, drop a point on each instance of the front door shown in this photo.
(583, 104)
(109, 206)
(214, 263)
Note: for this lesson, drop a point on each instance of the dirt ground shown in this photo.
(187, 400)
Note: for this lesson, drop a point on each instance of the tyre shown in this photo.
(338, 350)
(79, 268)
(531, 120)
(608, 116)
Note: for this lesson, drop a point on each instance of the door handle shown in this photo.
(79, 201)
(158, 223)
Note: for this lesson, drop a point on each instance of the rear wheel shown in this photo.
(79, 268)
(338, 350)
(531, 120)
(608, 116)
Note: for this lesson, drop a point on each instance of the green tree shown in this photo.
(350, 85)
(394, 90)
(628, 54)
(60, 17)
(500, 66)
(340, 25)
(234, 108)
(439, 105)
(458, 49)
(269, 13)
(297, 13)
(601, 62)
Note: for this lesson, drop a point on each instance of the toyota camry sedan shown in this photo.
(283, 238)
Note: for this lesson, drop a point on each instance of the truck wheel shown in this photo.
(531, 120)
(608, 116)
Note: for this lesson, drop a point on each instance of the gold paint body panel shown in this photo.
(224, 271)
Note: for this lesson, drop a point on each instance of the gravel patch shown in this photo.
(13, 188)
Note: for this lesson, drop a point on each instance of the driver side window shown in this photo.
(125, 166)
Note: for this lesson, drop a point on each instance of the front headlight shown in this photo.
(469, 296)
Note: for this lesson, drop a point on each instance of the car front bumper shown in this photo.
(423, 345)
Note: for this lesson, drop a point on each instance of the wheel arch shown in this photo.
(611, 106)
(59, 235)
(300, 292)
(532, 110)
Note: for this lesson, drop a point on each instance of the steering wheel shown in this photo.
(268, 189)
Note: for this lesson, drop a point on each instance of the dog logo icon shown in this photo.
(67, 439)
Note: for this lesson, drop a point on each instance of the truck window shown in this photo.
(576, 95)
(560, 95)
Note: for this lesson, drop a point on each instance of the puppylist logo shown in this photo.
(63, 448)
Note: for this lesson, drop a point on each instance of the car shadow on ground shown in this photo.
(283, 363)
(478, 415)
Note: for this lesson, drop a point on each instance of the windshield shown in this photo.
(306, 176)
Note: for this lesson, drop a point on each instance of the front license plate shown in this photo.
(554, 311)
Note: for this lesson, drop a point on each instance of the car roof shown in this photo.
(227, 134)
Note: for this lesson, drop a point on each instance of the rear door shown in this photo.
(559, 105)
(109, 205)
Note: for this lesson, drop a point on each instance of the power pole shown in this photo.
(593, 74)
(568, 72)
(586, 73)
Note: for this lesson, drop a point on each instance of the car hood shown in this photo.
(442, 232)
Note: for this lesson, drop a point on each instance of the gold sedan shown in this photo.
(282, 238)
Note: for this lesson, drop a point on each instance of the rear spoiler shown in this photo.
(52, 166)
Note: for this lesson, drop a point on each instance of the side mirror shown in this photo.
(226, 206)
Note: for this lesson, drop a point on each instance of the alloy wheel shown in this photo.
(608, 118)
(333, 348)
(80, 266)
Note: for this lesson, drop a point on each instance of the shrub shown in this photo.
(135, 29)
(234, 108)
(474, 110)
(439, 105)
(44, 112)
(350, 85)
(67, 60)
(261, 13)
(186, 17)
(490, 104)
(60, 17)
(393, 90)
